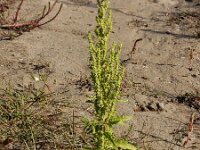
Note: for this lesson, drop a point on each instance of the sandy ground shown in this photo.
(164, 67)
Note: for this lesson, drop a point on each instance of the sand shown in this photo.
(164, 67)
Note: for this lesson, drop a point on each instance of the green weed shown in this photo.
(106, 74)
(21, 115)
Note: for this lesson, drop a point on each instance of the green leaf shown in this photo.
(118, 120)
(125, 145)
(110, 138)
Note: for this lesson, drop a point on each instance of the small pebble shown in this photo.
(161, 106)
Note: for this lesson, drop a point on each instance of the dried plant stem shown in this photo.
(17, 12)
(134, 47)
(190, 130)
(28, 25)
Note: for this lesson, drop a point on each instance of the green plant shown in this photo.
(106, 74)
(25, 116)
(32, 117)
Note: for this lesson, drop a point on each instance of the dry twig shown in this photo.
(190, 130)
(130, 55)
(134, 47)
(29, 25)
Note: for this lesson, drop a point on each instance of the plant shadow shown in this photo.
(172, 34)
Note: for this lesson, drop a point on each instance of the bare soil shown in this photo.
(162, 79)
